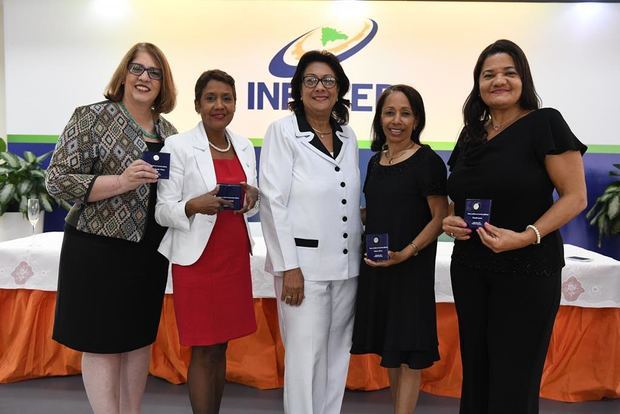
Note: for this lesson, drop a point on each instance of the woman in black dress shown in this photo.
(112, 279)
(506, 275)
(405, 192)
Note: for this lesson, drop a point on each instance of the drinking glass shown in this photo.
(33, 212)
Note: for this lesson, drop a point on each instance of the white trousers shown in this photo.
(317, 340)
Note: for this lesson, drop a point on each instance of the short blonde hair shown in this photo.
(166, 100)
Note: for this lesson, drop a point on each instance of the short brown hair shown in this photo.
(213, 74)
(166, 100)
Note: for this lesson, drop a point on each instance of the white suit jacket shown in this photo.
(310, 203)
(192, 174)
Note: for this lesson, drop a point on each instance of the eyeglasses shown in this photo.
(137, 70)
(310, 81)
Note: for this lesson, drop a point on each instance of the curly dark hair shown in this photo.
(475, 112)
(340, 112)
(417, 106)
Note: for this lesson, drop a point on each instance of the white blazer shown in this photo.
(192, 174)
(310, 203)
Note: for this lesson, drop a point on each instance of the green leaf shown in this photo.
(11, 159)
(23, 205)
(38, 174)
(613, 208)
(595, 219)
(41, 158)
(29, 157)
(63, 204)
(594, 211)
(24, 187)
(7, 192)
(5, 170)
(602, 229)
(45, 202)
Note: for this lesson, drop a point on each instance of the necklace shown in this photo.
(218, 149)
(320, 134)
(391, 158)
(499, 127)
(145, 133)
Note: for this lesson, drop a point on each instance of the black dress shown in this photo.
(110, 291)
(395, 308)
(506, 302)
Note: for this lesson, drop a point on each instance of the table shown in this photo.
(583, 362)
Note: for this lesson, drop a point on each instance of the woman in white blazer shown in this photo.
(310, 183)
(208, 242)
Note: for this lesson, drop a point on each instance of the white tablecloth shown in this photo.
(32, 263)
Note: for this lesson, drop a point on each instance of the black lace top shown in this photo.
(510, 170)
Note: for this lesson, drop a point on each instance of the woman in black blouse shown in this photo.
(506, 274)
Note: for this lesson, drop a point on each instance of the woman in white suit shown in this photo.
(208, 242)
(310, 183)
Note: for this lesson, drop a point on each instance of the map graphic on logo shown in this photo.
(344, 41)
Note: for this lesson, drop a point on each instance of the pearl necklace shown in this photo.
(218, 149)
(390, 159)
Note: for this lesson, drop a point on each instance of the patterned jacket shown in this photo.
(101, 139)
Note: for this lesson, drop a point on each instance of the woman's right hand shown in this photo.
(293, 287)
(139, 172)
(455, 227)
(208, 203)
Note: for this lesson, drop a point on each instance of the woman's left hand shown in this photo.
(501, 240)
(251, 196)
(393, 259)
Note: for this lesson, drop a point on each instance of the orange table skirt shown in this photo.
(583, 362)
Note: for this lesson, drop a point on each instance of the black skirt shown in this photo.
(110, 291)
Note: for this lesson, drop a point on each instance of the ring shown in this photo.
(288, 297)
(452, 234)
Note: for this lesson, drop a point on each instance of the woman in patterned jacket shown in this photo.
(111, 278)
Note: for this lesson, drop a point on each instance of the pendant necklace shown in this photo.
(499, 127)
(321, 134)
(390, 159)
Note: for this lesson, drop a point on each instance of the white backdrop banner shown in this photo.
(61, 54)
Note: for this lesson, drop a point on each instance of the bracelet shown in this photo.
(416, 250)
(533, 227)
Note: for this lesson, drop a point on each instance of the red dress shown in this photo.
(213, 297)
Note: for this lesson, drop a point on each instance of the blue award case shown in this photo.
(377, 247)
(160, 161)
(232, 192)
(477, 212)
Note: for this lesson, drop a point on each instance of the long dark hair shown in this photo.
(417, 106)
(340, 112)
(475, 112)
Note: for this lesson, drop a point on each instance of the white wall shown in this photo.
(60, 54)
